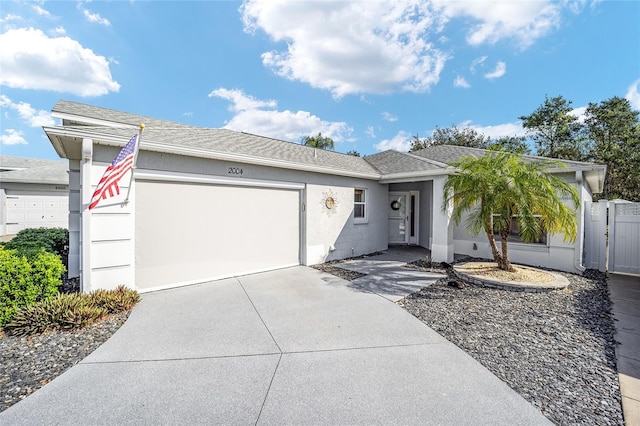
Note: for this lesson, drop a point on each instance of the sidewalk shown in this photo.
(625, 295)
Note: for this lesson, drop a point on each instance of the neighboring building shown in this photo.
(213, 203)
(34, 193)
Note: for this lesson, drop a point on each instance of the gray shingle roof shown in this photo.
(223, 141)
(14, 163)
(106, 114)
(389, 162)
(451, 153)
(34, 170)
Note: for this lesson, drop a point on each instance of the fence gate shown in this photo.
(612, 236)
(624, 238)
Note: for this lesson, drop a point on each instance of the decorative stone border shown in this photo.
(560, 282)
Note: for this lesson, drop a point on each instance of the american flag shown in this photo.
(108, 185)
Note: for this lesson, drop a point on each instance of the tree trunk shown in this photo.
(505, 264)
(492, 243)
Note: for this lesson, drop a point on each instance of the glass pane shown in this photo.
(358, 210)
(358, 196)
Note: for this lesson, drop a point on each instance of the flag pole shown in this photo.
(133, 167)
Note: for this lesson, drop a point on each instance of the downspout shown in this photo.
(577, 253)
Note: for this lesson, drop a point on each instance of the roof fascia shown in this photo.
(413, 176)
(88, 120)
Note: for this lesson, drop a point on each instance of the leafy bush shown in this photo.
(25, 281)
(54, 240)
(119, 300)
(65, 312)
(71, 311)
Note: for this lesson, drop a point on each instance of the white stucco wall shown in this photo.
(110, 256)
(556, 254)
(334, 233)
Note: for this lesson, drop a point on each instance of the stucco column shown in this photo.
(442, 228)
(85, 198)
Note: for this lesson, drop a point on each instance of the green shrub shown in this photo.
(25, 281)
(64, 312)
(71, 311)
(54, 240)
(119, 300)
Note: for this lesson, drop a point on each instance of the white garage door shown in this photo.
(188, 233)
(35, 210)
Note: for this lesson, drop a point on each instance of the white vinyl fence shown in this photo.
(612, 236)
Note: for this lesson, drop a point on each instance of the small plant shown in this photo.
(119, 300)
(53, 240)
(64, 312)
(27, 280)
(71, 311)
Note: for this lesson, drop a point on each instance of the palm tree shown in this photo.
(501, 186)
(319, 141)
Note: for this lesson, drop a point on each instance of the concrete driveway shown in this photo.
(293, 346)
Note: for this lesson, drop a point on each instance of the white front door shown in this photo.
(398, 218)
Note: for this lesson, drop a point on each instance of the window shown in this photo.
(359, 211)
(514, 234)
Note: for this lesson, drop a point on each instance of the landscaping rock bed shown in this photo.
(556, 349)
(28, 363)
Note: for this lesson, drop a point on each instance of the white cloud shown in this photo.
(59, 31)
(11, 17)
(187, 114)
(461, 82)
(370, 132)
(497, 130)
(633, 96)
(31, 60)
(400, 142)
(285, 125)
(33, 117)
(477, 62)
(388, 117)
(580, 113)
(40, 11)
(351, 47)
(94, 17)
(499, 71)
(12, 137)
(240, 101)
(522, 21)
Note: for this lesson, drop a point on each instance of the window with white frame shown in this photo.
(514, 234)
(359, 204)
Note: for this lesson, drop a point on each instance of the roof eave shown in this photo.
(414, 176)
(89, 120)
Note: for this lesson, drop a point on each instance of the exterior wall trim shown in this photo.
(144, 174)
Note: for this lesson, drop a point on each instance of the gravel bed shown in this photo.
(28, 363)
(555, 349)
(338, 272)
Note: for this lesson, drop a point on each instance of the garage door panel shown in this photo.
(35, 209)
(188, 232)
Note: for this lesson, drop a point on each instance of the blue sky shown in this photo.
(369, 74)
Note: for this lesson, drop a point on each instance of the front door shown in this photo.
(398, 218)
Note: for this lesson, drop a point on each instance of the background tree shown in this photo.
(556, 133)
(454, 135)
(613, 129)
(515, 144)
(501, 186)
(318, 141)
(353, 152)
